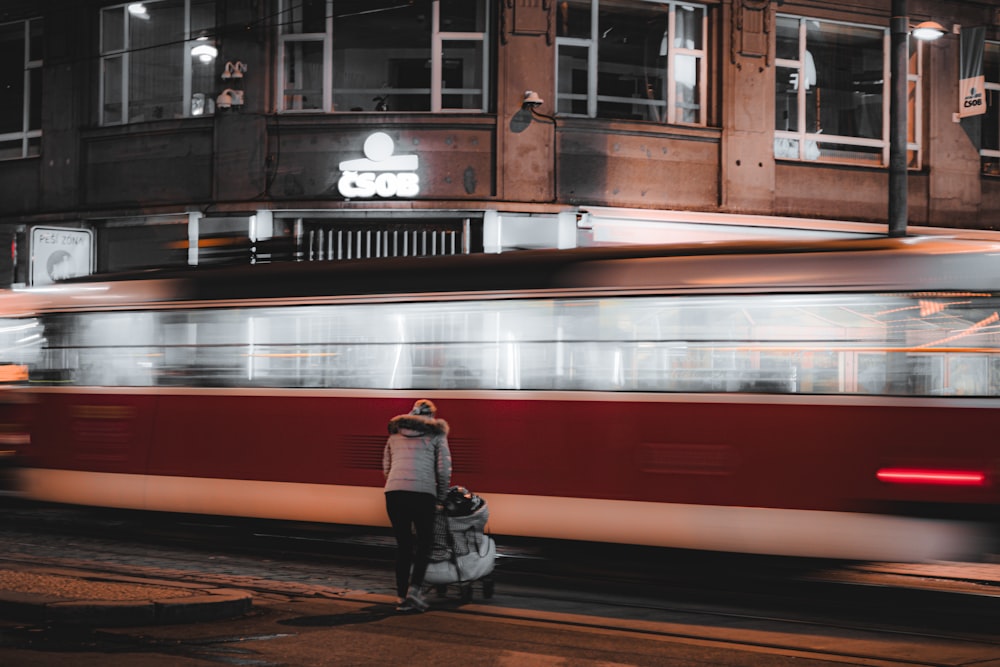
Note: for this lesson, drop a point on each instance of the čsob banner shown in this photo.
(972, 83)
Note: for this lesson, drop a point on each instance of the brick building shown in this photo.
(174, 132)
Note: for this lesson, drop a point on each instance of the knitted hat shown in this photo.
(424, 407)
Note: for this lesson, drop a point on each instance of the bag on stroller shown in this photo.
(462, 553)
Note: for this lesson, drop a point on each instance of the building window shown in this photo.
(832, 92)
(157, 61)
(642, 60)
(990, 148)
(21, 83)
(382, 55)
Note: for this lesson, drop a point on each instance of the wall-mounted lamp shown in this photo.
(229, 98)
(531, 100)
(234, 70)
(928, 31)
(530, 104)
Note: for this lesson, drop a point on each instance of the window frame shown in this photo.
(437, 44)
(593, 65)
(189, 41)
(915, 115)
(26, 134)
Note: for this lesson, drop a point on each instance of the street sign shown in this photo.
(58, 253)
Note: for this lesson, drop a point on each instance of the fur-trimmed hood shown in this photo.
(419, 424)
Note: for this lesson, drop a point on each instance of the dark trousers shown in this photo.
(411, 512)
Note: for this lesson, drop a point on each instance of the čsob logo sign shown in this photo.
(379, 173)
(974, 98)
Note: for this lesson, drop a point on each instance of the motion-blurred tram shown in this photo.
(835, 399)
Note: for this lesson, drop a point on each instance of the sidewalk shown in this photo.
(61, 595)
(65, 594)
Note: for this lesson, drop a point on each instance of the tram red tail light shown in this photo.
(932, 477)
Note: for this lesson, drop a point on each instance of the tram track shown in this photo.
(700, 629)
(678, 624)
(629, 619)
(766, 605)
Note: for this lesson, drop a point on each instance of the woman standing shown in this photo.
(417, 466)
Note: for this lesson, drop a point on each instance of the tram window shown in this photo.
(820, 372)
(825, 344)
(116, 349)
(56, 361)
(179, 348)
(967, 375)
(926, 375)
(20, 341)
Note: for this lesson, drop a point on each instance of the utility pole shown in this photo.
(899, 29)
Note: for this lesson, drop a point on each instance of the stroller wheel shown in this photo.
(487, 588)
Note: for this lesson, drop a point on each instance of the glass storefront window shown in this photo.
(428, 55)
(151, 65)
(642, 60)
(303, 73)
(141, 243)
(21, 83)
(831, 93)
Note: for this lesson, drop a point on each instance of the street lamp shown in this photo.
(899, 29)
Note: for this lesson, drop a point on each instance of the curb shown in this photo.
(100, 599)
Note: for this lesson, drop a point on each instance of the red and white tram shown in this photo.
(834, 399)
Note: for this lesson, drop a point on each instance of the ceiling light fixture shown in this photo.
(928, 31)
(205, 52)
(138, 10)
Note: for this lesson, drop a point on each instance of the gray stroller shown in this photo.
(463, 553)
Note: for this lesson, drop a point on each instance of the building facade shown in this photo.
(175, 132)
